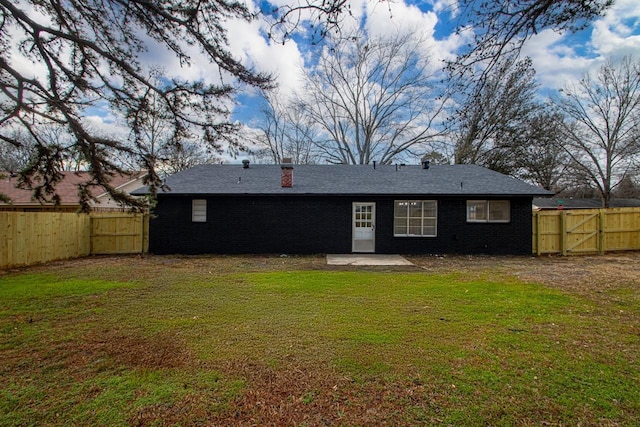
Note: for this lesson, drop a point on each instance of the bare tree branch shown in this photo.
(285, 131)
(500, 28)
(492, 115)
(88, 53)
(602, 126)
(374, 99)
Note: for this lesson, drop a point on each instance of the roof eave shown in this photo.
(407, 194)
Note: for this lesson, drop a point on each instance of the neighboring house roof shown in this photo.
(346, 180)
(67, 188)
(569, 203)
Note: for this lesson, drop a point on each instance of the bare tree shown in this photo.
(629, 188)
(285, 131)
(174, 158)
(539, 155)
(89, 52)
(318, 18)
(374, 99)
(435, 157)
(492, 115)
(27, 147)
(501, 27)
(14, 158)
(153, 132)
(18, 156)
(155, 142)
(602, 124)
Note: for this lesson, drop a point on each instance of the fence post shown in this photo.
(538, 234)
(602, 226)
(563, 233)
(145, 232)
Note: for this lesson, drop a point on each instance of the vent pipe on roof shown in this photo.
(245, 164)
(374, 164)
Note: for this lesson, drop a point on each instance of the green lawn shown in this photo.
(173, 342)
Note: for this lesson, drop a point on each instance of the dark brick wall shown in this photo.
(304, 224)
(268, 224)
(456, 235)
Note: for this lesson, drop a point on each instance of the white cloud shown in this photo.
(200, 67)
(613, 35)
(554, 62)
(284, 61)
(107, 126)
(445, 6)
(388, 18)
(561, 58)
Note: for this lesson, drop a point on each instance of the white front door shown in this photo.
(364, 223)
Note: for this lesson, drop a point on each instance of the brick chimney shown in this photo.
(287, 172)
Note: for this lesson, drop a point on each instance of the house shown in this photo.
(306, 209)
(67, 189)
(571, 203)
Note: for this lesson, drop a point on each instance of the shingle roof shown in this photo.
(348, 180)
(67, 188)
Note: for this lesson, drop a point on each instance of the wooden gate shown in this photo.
(581, 232)
(586, 231)
(119, 233)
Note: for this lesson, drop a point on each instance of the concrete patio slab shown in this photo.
(366, 259)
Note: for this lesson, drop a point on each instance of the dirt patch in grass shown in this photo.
(285, 396)
(163, 351)
(208, 263)
(85, 355)
(295, 395)
(574, 274)
(299, 395)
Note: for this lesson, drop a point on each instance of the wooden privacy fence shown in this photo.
(120, 233)
(34, 237)
(28, 238)
(580, 231)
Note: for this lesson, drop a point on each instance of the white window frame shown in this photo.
(423, 219)
(487, 206)
(199, 210)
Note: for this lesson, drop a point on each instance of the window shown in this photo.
(199, 210)
(488, 211)
(415, 218)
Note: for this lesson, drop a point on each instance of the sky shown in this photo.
(557, 58)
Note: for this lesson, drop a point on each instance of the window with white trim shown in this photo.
(415, 218)
(488, 211)
(199, 210)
